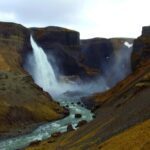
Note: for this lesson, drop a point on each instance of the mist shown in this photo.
(120, 66)
(44, 74)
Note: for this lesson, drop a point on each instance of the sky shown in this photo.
(92, 18)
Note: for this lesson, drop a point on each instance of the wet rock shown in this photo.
(56, 134)
(81, 123)
(72, 103)
(88, 102)
(94, 116)
(69, 128)
(66, 111)
(51, 140)
(67, 106)
(34, 143)
(78, 115)
(79, 103)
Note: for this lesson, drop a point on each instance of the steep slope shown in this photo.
(113, 117)
(22, 103)
(122, 107)
(136, 137)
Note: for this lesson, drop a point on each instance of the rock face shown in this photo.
(97, 52)
(72, 56)
(62, 47)
(51, 35)
(14, 43)
(22, 103)
(141, 48)
(100, 53)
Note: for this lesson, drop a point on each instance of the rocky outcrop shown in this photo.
(62, 48)
(100, 53)
(141, 48)
(14, 44)
(97, 52)
(51, 35)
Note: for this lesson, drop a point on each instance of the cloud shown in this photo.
(103, 18)
(44, 12)
(4, 16)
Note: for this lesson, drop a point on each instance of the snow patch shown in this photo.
(129, 45)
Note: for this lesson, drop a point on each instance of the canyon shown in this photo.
(111, 77)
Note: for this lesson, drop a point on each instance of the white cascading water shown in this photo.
(41, 70)
(43, 74)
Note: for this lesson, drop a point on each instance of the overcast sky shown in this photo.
(92, 18)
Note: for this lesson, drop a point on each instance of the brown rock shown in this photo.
(69, 128)
(56, 134)
(35, 143)
(78, 115)
(51, 140)
(81, 123)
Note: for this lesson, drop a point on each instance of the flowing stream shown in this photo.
(44, 76)
(45, 131)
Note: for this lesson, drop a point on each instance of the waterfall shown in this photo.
(41, 70)
(43, 73)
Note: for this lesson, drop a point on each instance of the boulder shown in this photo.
(81, 123)
(69, 127)
(78, 115)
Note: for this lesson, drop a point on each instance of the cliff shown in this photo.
(84, 58)
(14, 42)
(22, 103)
(61, 44)
(141, 48)
(99, 53)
